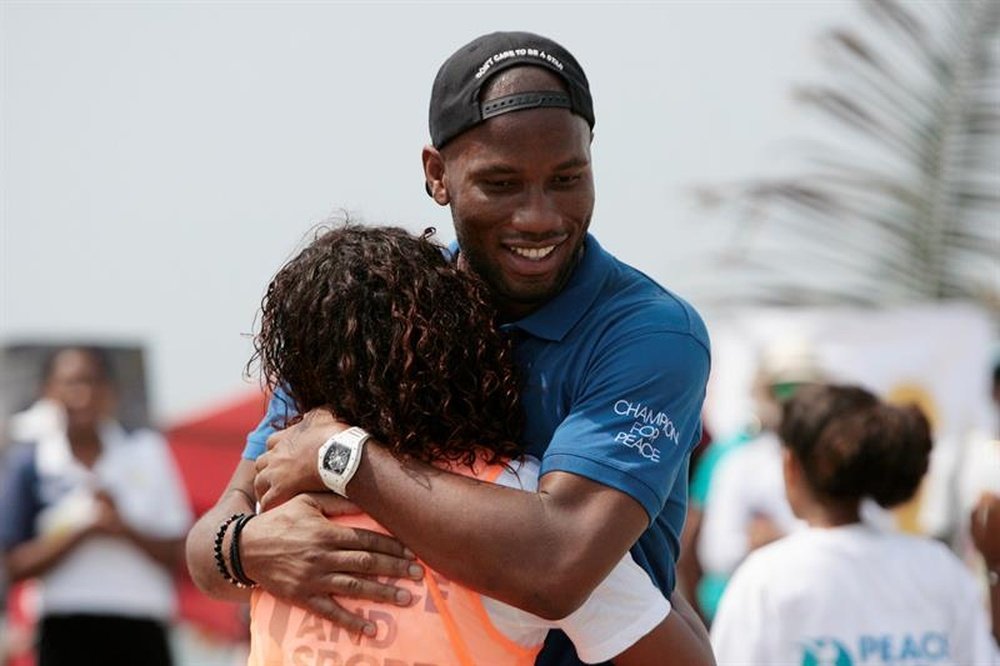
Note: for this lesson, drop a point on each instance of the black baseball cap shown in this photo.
(455, 105)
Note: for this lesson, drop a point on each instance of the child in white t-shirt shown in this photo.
(841, 592)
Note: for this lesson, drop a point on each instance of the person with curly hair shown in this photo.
(381, 329)
(842, 591)
(378, 327)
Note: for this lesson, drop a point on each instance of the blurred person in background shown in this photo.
(41, 418)
(985, 529)
(979, 504)
(842, 591)
(737, 498)
(98, 515)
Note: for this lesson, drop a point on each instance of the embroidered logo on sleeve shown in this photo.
(649, 425)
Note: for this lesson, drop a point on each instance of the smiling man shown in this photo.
(613, 367)
(520, 185)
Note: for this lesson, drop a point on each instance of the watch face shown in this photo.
(336, 458)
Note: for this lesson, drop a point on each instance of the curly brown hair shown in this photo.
(376, 325)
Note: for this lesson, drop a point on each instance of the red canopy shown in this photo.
(207, 448)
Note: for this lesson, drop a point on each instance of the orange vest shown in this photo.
(446, 626)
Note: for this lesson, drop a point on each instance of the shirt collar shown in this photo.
(554, 320)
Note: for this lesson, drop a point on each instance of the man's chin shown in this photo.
(530, 295)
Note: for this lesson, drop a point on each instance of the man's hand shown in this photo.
(294, 552)
(289, 465)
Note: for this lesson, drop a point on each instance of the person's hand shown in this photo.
(289, 465)
(985, 527)
(294, 552)
(108, 521)
(762, 531)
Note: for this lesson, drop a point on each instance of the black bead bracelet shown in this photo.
(220, 535)
(240, 577)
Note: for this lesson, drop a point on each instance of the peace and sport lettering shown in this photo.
(315, 641)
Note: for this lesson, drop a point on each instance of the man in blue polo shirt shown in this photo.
(614, 371)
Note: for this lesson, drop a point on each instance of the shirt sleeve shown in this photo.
(636, 418)
(19, 506)
(622, 609)
(280, 409)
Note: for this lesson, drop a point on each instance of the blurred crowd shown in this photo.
(94, 516)
(742, 498)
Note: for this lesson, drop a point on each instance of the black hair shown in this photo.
(851, 445)
(100, 357)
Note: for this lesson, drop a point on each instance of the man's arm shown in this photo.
(541, 552)
(603, 479)
(307, 559)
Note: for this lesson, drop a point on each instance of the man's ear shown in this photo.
(434, 175)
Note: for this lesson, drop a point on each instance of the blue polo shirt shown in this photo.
(614, 371)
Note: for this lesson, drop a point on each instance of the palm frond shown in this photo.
(905, 206)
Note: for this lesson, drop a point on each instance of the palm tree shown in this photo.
(906, 206)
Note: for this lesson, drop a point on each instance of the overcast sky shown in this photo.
(160, 161)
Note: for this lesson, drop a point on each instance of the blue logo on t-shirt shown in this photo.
(825, 652)
(929, 647)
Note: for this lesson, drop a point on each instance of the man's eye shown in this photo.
(566, 180)
(499, 184)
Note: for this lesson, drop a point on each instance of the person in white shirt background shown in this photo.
(840, 591)
(737, 489)
(98, 515)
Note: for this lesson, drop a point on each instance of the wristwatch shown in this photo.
(339, 457)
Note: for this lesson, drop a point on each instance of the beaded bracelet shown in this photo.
(241, 579)
(220, 535)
